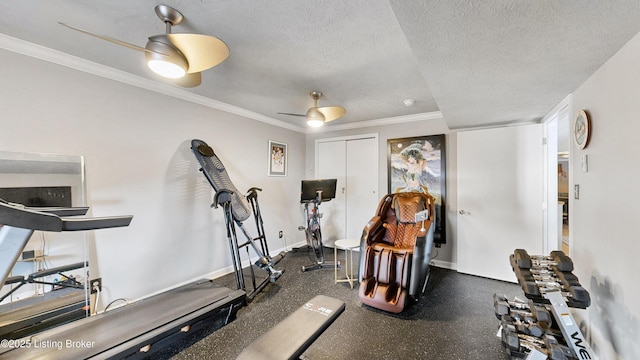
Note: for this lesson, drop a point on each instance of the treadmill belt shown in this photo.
(123, 331)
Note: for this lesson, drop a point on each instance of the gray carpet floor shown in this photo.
(453, 320)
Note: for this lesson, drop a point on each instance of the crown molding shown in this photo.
(434, 115)
(57, 57)
(496, 125)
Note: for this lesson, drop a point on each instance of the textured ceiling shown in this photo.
(510, 61)
(477, 62)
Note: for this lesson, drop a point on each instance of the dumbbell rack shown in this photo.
(552, 288)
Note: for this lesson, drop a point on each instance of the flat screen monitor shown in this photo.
(310, 189)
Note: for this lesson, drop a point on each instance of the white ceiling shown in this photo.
(479, 63)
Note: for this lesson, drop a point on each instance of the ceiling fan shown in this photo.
(175, 56)
(317, 116)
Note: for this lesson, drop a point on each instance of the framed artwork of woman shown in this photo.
(277, 159)
(417, 164)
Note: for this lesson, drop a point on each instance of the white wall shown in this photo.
(605, 220)
(139, 162)
(446, 254)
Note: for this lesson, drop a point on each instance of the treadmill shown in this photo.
(131, 330)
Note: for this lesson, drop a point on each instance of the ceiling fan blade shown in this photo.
(189, 80)
(302, 115)
(332, 112)
(109, 39)
(202, 51)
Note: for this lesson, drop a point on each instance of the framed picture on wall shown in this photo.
(277, 159)
(417, 164)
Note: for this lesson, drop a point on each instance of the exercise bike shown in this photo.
(313, 193)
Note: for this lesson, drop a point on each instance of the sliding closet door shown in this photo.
(332, 164)
(354, 163)
(362, 184)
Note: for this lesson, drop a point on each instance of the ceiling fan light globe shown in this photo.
(165, 60)
(315, 117)
(315, 122)
(166, 69)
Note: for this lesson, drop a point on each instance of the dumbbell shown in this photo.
(579, 295)
(565, 278)
(535, 286)
(520, 344)
(523, 326)
(575, 296)
(545, 275)
(528, 281)
(556, 258)
(536, 313)
(568, 279)
(510, 339)
(526, 261)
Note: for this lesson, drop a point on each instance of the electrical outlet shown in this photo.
(95, 285)
(280, 234)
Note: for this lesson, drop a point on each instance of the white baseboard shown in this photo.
(444, 264)
(292, 246)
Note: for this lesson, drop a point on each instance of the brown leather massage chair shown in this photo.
(395, 251)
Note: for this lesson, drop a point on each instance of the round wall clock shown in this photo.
(581, 129)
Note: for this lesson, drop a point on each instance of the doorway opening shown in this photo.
(558, 171)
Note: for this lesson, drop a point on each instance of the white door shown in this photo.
(362, 184)
(354, 163)
(500, 182)
(331, 164)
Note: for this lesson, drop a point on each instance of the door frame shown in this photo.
(560, 112)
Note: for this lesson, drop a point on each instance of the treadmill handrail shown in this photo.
(80, 224)
(17, 224)
(25, 218)
(47, 219)
(63, 211)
